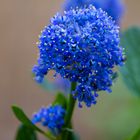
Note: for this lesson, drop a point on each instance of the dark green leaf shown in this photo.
(135, 136)
(131, 71)
(60, 99)
(25, 133)
(24, 119)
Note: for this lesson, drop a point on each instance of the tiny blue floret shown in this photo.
(83, 46)
(51, 117)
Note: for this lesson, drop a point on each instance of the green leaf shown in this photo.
(135, 136)
(60, 99)
(26, 121)
(131, 70)
(25, 133)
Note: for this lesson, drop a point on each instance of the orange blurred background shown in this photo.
(20, 24)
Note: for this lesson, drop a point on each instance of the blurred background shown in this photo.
(114, 117)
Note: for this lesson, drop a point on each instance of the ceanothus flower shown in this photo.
(83, 46)
(51, 117)
(114, 8)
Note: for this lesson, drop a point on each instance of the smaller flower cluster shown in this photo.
(114, 8)
(52, 117)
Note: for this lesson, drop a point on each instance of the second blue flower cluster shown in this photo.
(51, 117)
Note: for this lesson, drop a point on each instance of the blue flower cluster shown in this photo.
(83, 47)
(52, 117)
(114, 8)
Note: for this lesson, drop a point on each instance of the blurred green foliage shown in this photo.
(116, 116)
(130, 39)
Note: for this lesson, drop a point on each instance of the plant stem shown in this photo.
(70, 110)
(70, 106)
